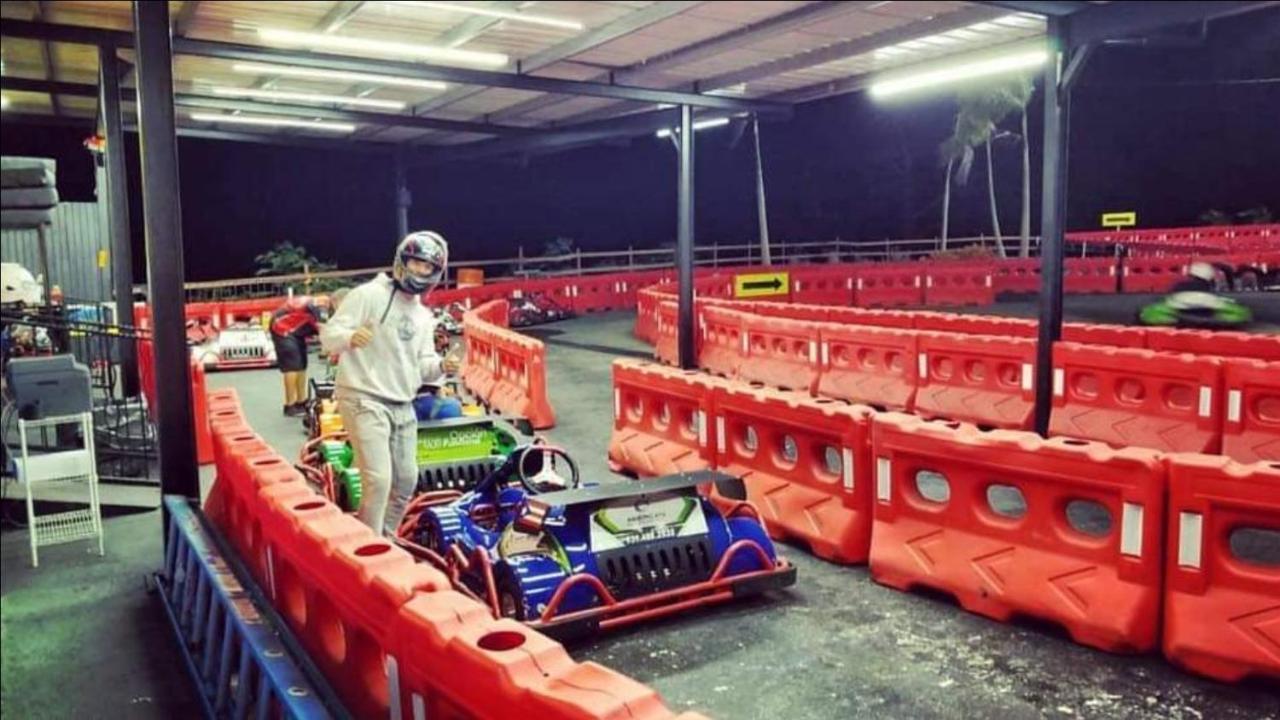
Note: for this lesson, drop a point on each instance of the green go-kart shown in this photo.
(1196, 310)
(453, 456)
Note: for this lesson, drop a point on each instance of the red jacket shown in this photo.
(299, 316)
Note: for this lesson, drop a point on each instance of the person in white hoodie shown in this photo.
(385, 337)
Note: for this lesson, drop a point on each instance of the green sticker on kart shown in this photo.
(455, 442)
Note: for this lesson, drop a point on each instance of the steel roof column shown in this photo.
(117, 201)
(684, 241)
(162, 218)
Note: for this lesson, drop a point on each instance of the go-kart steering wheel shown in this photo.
(536, 469)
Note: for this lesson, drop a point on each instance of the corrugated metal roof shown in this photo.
(756, 58)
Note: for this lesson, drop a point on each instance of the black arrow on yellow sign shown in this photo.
(773, 284)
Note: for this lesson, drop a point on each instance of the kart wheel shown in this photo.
(510, 598)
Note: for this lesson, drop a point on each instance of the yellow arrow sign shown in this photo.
(1119, 219)
(760, 284)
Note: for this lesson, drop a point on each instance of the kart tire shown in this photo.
(510, 597)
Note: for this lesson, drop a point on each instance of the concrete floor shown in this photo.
(81, 638)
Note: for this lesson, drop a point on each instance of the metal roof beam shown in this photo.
(577, 45)
(269, 108)
(1126, 19)
(1054, 8)
(254, 53)
(742, 37)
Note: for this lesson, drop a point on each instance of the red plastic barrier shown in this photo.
(1016, 276)
(713, 286)
(594, 293)
(646, 327)
(975, 324)
(805, 463)
(981, 379)
(559, 290)
(479, 371)
(1089, 275)
(1222, 603)
(1211, 342)
(200, 415)
(256, 311)
(723, 345)
(666, 347)
(780, 353)
(997, 519)
(888, 286)
(1251, 430)
(1153, 274)
(660, 418)
(791, 311)
(870, 365)
(1113, 335)
(880, 318)
(970, 285)
(822, 286)
(1137, 397)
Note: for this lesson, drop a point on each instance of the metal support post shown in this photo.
(685, 240)
(116, 199)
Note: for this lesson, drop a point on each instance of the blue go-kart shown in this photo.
(569, 559)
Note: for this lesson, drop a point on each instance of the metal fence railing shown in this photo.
(589, 262)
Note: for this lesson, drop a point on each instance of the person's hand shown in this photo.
(362, 337)
(450, 365)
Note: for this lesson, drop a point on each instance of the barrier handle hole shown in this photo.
(501, 641)
(372, 549)
(306, 506)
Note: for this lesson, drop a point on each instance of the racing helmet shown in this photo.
(1203, 271)
(422, 245)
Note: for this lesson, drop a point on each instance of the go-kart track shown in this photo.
(836, 645)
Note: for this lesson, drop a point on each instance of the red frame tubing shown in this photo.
(864, 364)
(781, 353)
(1220, 611)
(1251, 427)
(789, 474)
(1105, 590)
(660, 419)
(1143, 398)
(981, 379)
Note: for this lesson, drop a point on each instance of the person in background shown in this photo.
(1201, 277)
(292, 323)
(386, 339)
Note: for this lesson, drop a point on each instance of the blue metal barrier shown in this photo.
(236, 649)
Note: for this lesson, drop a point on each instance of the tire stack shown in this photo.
(28, 192)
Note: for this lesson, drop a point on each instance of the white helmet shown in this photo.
(1203, 271)
(19, 285)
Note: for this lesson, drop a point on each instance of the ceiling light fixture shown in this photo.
(308, 97)
(274, 122)
(383, 47)
(953, 73)
(472, 9)
(306, 73)
(699, 125)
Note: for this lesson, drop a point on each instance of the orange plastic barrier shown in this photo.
(822, 286)
(713, 286)
(791, 311)
(521, 379)
(660, 418)
(1153, 274)
(1215, 342)
(1016, 276)
(723, 343)
(888, 286)
(1137, 397)
(200, 415)
(479, 371)
(646, 326)
(1222, 601)
(594, 293)
(1008, 523)
(981, 379)
(805, 464)
(780, 353)
(870, 365)
(1251, 429)
(666, 344)
(969, 285)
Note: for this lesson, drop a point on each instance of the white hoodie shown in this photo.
(402, 355)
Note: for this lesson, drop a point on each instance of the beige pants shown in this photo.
(384, 436)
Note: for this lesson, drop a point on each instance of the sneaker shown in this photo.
(295, 410)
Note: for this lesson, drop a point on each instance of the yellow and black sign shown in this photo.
(1119, 219)
(760, 284)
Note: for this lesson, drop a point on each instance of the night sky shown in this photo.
(1153, 130)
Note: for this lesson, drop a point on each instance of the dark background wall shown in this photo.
(1169, 133)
